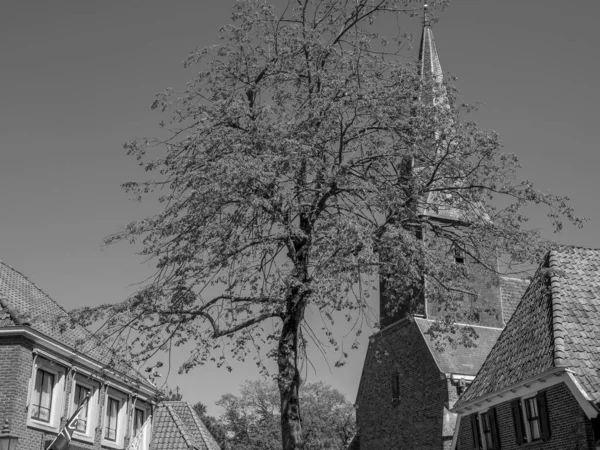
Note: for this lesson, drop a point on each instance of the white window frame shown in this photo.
(527, 432)
(92, 419)
(121, 418)
(58, 388)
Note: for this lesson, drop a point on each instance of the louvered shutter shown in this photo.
(543, 412)
(517, 420)
(495, 432)
(475, 431)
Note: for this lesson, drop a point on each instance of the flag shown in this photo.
(137, 443)
(66, 434)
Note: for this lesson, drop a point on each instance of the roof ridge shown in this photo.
(558, 338)
(180, 426)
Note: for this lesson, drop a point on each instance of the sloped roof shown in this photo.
(557, 324)
(176, 426)
(23, 303)
(459, 360)
(468, 361)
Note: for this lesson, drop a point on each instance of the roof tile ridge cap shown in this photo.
(560, 356)
(180, 426)
(13, 312)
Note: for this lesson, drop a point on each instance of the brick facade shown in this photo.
(569, 426)
(415, 420)
(16, 360)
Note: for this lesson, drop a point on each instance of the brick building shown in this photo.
(539, 387)
(409, 381)
(48, 363)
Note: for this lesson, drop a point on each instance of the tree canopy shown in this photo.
(251, 420)
(297, 166)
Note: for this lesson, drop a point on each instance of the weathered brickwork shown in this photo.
(16, 359)
(569, 427)
(415, 420)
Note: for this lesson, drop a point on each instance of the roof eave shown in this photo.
(75, 356)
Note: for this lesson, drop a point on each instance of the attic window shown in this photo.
(459, 255)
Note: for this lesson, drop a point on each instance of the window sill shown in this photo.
(31, 423)
(77, 436)
(115, 445)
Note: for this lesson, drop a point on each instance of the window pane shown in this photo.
(112, 414)
(80, 393)
(42, 396)
(139, 420)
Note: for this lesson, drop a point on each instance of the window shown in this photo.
(477, 443)
(138, 420)
(81, 392)
(41, 404)
(112, 419)
(489, 426)
(533, 419)
(484, 429)
(88, 417)
(45, 398)
(115, 421)
(530, 419)
(459, 255)
(395, 387)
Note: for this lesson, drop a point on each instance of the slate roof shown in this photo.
(23, 303)
(557, 324)
(176, 426)
(459, 360)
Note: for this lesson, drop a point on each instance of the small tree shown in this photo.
(296, 168)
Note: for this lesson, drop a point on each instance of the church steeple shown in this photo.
(429, 62)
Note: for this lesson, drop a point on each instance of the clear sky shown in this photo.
(78, 77)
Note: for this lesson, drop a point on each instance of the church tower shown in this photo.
(485, 296)
(410, 379)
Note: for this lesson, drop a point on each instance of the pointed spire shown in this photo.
(429, 62)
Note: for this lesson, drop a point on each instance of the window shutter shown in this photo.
(475, 431)
(543, 412)
(517, 420)
(495, 432)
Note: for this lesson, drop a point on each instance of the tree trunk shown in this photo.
(289, 376)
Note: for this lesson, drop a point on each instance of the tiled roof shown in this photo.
(176, 426)
(24, 303)
(459, 360)
(511, 290)
(557, 324)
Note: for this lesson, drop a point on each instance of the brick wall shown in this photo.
(16, 359)
(415, 421)
(570, 428)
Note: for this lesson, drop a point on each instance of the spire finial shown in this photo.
(426, 21)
